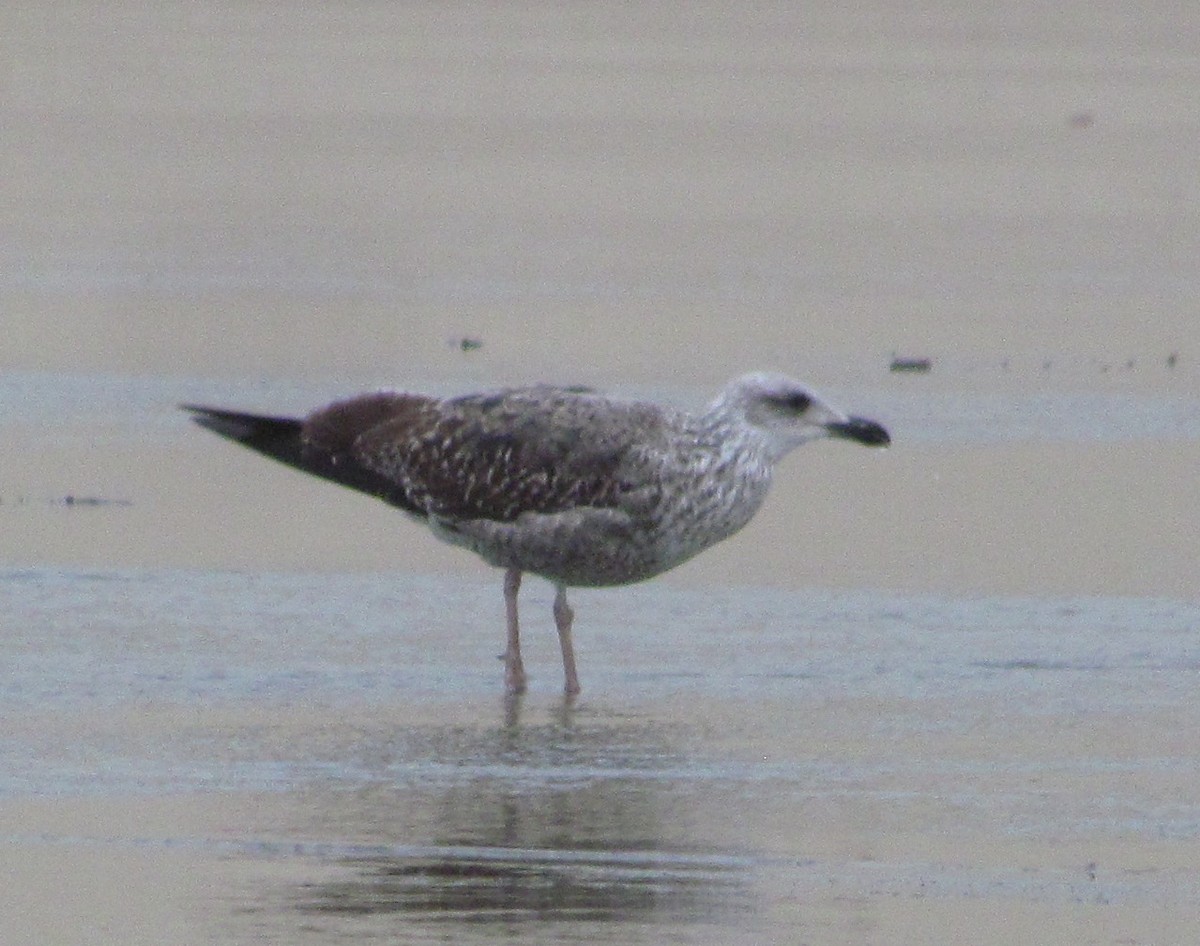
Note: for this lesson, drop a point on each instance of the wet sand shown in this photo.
(939, 694)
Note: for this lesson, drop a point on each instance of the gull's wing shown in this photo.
(496, 456)
(486, 456)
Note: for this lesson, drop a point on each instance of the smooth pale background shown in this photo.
(647, 198)
(258, 203)
(604, 190)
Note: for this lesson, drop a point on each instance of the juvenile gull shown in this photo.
(581, 488)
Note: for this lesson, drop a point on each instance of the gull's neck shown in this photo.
(723, 424)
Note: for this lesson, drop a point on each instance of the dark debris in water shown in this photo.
(69, 501)
(922, 364)
(911, 365)
(1036, 664)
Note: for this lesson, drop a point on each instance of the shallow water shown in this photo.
(305, 733)
(736, 753)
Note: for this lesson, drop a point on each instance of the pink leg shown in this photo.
(514, 669)
(563, 618)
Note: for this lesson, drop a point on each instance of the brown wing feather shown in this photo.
(329, 435)
(496, 456)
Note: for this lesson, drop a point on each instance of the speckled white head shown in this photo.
(788, 413)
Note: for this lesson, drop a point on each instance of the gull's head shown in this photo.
(787, 413)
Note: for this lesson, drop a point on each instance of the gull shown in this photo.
(581, 488)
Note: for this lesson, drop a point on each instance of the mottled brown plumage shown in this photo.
(493, 457)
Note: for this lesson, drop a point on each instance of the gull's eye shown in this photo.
(794, 402)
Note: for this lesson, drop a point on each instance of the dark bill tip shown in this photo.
(861, 430)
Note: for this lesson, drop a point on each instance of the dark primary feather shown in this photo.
(277, 437)
(288, 440)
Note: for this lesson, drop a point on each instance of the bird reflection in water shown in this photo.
(482, 885)
(553, 821)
